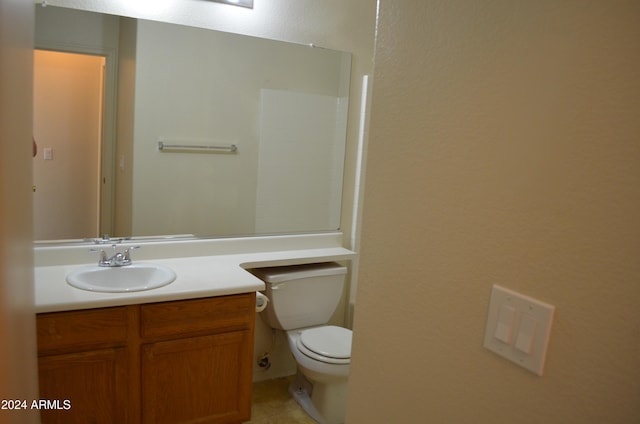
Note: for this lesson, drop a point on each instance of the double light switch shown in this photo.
(518, 328)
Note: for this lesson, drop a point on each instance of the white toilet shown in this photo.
(302, 300)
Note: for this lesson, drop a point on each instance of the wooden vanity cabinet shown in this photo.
(184, 361)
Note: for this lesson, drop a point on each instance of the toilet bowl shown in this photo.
(323, 357)
(302, 299)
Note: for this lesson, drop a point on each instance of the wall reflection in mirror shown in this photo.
(97, 124)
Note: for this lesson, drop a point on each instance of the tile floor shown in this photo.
(272, 404)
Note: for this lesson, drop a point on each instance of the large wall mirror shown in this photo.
(253, 130)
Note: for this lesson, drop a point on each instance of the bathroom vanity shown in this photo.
(181, 353)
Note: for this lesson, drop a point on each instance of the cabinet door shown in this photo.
(86, 387)
(197, 379)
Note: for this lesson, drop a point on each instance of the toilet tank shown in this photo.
(301, 295)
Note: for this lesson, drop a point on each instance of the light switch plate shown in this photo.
(530, 328)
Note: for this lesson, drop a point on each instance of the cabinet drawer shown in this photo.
(86, 329)
(192, 317)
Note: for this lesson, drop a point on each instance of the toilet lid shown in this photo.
(331, 342)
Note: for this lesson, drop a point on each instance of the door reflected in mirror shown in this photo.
(283, 105)
(69, 149)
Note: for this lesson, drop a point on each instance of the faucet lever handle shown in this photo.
(103, 254)
(127, 252)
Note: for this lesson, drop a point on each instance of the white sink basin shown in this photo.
(134, 277)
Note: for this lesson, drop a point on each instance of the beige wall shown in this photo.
(503, 149)
(18, 375)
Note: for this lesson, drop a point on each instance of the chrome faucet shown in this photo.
(117, 259)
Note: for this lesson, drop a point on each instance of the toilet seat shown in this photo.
(328, 344)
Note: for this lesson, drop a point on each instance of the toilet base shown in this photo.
(323, 407)
(300, 390)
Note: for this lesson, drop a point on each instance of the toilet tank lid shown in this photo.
(278, 274)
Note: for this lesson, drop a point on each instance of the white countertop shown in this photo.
(197, 277)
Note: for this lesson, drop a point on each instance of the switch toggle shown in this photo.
(526, 334)
(504, 327)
